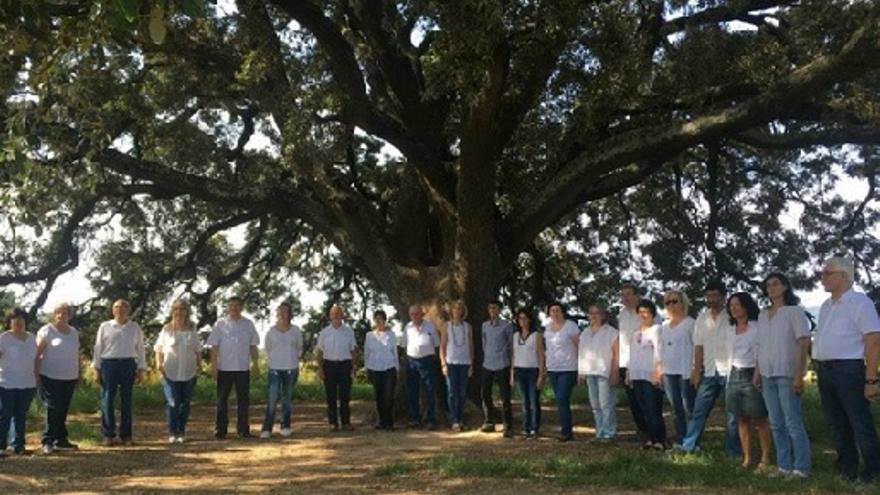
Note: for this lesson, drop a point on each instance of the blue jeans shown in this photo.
(14, 404)
(456, 390)
(680, 395)
(650, 400)
(526, 380)
(848, 414)
(178, 396)
(117, 374)
(603, 400)
(421, 373)
(563, 383)
(708, 391)
(786, 423)
(281, 383)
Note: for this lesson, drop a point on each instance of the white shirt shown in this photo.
(233, 340)
(745, 348)
(336, 343)
(715, 335)
(61, 354)
(283, 349)
(596, 350)
(380, 351)
(562, 351)
(843, 325)
(179, 349)
(420, 340)
(458, 338)
(627, 323)
(778, 340)
(115, 341)
(525, 352)
(644, 353)
(677, 347)
(17, 361)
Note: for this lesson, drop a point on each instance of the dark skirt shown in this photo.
(741, 397)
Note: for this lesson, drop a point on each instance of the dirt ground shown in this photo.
(313, 460)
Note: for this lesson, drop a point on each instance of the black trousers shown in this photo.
(384, 383)
(242, 382)
(488, 378)
(634, 407)
(337, 388)
(56, 395)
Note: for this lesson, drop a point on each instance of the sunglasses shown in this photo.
(670, 302)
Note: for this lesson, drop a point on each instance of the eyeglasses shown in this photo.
(670, 302)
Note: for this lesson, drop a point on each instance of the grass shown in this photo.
(395, 469)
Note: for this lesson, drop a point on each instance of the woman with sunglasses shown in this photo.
(676, 359)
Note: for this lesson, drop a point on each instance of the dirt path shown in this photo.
(312, 460)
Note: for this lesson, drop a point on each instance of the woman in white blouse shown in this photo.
(742, 398)
(18, 382)
(456, 361)
(598, 367)
(783, 342)
(59, 368)
(178, 359)
(644, 375)
(562, 337)
(527, 371)
(676, 358)
(283, 344)
(380, 359)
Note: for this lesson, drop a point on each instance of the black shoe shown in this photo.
(219, 436)
(487, 428)
(66, 445)
(21, 451)
(508, 433)
(413, 425)
(432, 426)
(245, 434)
(565, 438)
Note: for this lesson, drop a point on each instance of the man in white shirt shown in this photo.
(627, 323)
(335, 352)
(712, 349)
(846, 352)
(421, 341)
(233, 340)
(119, 361)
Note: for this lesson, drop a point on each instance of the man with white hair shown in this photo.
(846, 352)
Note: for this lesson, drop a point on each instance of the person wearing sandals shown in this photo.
(382, 363)
(178, 360)
(676, 359)
(562, 337)
(644, 375)
(456, 361)
(598, 368)
(783, 343)
(742, 398)
(283, 344)
(527, 370)
(18, 381)
(59, 368)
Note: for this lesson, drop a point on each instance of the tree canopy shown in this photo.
(418, 151)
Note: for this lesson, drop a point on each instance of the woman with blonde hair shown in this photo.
(456, 361)
(58, 366)
(178, 359)
(676, 359)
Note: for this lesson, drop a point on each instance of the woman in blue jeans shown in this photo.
(527, 370)
(643, 374)
(456, 361)
(598, 356)
(178, 360)
(676, 359)
(783, 342)
(283, 344)
(562, 337)
(18, 382)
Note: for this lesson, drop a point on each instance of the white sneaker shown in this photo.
(47, 449)
(286, 432)
(799, 474)
(172, 439)
(265, 434)
(179, 439)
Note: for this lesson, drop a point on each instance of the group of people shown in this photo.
(756, 357)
